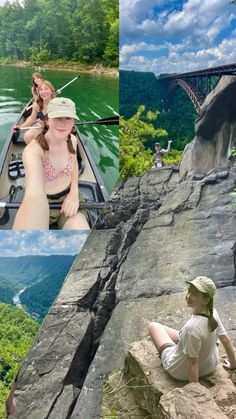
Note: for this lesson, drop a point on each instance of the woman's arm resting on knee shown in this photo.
(33, 213)
(229, 349)
(192, 368)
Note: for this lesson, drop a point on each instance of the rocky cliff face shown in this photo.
(215, 131)
(156, 232)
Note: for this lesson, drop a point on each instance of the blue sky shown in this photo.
(168, 36)
(21, 243)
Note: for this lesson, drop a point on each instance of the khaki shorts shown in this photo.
(55, 215)
(164, 346)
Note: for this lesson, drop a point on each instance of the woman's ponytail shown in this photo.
(41, 138)
(212, 323)
(70, 145)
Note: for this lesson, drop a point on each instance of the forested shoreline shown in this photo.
(60, 32)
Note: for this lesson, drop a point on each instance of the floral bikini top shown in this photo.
(49, 171)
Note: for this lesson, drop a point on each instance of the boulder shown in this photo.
(152, 390)
(155, 233)
(215, 130)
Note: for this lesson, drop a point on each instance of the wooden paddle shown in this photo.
(111, 120)
(82, 205)
(6, 206)
(63, 87)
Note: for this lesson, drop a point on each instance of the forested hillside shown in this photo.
(60, 30)
(7, 290)
(17, 331)
(42, 276)
(39, 297)
(138, 88)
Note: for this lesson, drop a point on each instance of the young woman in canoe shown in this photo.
(46, 93)
(36, 81)
(192, 352)
(51, 173)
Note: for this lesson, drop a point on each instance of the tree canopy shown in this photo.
(44, 30)
(143, 88)
(135, 159)
(17, 331)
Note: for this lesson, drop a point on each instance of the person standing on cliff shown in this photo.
(158, 159)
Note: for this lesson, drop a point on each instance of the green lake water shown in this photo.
(95, 96)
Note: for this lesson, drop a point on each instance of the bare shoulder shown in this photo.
(35, 107)
(32, 151)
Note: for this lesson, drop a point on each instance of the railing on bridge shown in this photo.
(197, 84)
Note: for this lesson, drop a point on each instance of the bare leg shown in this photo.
(159, 334)
(10, 403)
(33, 214)
(31, 134)
(173, 333)
(77, 222)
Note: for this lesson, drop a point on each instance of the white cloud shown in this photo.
(127, 51)
(196, 35)
(20, 243)
(178, 61)
(200, 20)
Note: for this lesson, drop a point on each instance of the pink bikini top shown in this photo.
(49, 171)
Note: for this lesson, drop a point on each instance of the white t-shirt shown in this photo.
(196, 341)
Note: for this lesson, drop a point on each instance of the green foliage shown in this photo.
(135, 159)
(39, 57)
(7, 290)
(110, 56)
(174, 157)
(17, 331)
(44, 30)
(42, 276)
(179, 117)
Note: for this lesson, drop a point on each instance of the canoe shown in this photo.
(91, 183)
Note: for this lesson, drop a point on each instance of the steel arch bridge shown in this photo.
(197, 84)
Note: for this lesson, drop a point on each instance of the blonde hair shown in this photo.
(50, 86)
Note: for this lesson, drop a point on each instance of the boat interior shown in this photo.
(12, 188)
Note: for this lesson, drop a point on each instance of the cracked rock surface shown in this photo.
(155, 233)
(129, 273)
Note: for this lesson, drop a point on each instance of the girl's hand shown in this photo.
(70, 205)
(58, 92)
(226, 364)
(15, 128)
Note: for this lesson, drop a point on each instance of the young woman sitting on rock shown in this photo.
(192, 352)
(51, 174)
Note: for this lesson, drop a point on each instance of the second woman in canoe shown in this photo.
(39, 110)
(36, 81)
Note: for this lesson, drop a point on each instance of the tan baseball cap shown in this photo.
(203, 284)
(61, 108)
